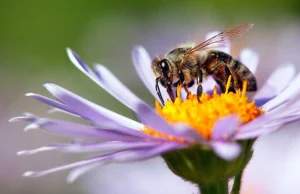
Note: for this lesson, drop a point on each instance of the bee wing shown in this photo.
(222, 39)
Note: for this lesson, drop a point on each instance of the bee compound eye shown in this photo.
(213, 55)
(164, 65)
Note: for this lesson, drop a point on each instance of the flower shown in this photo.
(221, 128)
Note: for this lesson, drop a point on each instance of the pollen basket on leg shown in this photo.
(202, 116)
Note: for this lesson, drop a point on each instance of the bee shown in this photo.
(186, 65)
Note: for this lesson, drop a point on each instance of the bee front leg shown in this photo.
(170, 92)
(158, 91)
(199, 83)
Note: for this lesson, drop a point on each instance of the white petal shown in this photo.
(115, 87)
(226, 150)
(73, 100)
(209, 84)
(102, 76)
(278, 80)
(249, 58)
(35, 151)
(285, 95)
(142, 64)
(31, 126)
(225, 127)
(64, 167)
(77, 172)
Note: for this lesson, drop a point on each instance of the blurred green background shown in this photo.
(34, 35)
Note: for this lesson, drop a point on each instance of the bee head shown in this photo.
(162, 70)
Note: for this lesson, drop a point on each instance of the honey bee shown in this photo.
(187, 64)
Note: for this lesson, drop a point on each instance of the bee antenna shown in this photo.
(158, 91)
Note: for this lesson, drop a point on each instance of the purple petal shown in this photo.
(37, 150)
(119, 156)
(261, 121)
(76, 60)
(146, 153)
(256, 132)
(209, 84)
(100, 160)
(25, 118)
(294, 109)
(115, 87)
(290, 92)
(261, 101)
(266, 123)
(225, 127)
(53, 103)
(92, 147)
(76, 130)
(129, 156)
(289, 118)
(96, 113)
(150, 118)
(276, 82)
(142, 64)
(56, 110)
(84, 111)
(249, 58)
(287, 112)
(226, 150)
(190, 134)
(77, 172)
(101, 77)
(291, 105)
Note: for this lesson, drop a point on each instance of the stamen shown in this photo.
(215, 91)
(228, 84)
(202, 116)
(178, 89)
(244, 88)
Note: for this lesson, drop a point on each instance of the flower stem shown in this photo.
(220, 187)
(237, 183)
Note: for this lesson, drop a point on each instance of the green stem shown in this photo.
(237, 183)
(220, 187)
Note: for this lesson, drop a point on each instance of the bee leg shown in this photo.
(188, 85)
(199, 83)
(181, 77)
(170, 92)
(158, 91)
(182, 81)
(175, 85)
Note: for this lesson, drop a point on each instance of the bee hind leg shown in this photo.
(188, 85)
(183, 83)
(222, 78)
(199, 83)
(170, 92)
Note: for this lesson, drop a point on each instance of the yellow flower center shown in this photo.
(202, 115)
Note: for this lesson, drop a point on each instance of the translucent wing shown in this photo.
(222, 39)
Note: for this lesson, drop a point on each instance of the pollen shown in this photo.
(202, 114)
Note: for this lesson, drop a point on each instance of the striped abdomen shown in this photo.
(221, 65)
